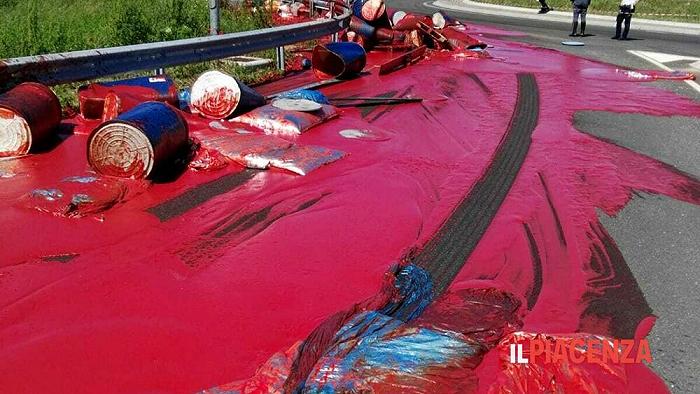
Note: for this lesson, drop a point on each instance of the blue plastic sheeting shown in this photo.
(376, 350)
(305, 94)
(415, 289)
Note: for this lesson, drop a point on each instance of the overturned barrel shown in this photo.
(29, 115)
(145, 140)
(120, 96)
(362, 28)
(217, 95)
(342, 60)
(370, 10)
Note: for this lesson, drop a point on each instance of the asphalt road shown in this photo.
(658, 236)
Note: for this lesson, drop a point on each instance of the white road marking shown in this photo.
(652, 57)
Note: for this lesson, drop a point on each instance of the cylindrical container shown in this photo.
(217, 95)
(441, 19)
(29, 114)
(395, 15)
(130, 92)
(386, 36)
(138, 143)
(362, 28)
(340, 60)
(369, 10)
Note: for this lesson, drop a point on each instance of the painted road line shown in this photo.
(657, 59)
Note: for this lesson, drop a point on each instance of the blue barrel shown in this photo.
(340, 60)
(146, 140)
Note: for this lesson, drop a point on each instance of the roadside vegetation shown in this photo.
(33, 27)
(673, 10)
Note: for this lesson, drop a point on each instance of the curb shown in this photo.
(647, 25)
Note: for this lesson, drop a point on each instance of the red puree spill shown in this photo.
(197, 282)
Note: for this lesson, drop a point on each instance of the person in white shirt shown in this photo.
(624, 15)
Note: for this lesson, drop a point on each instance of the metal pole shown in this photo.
(214, 16)
(279, 51)
(334, 36)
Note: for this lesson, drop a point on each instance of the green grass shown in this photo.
(674, 10)
(33, 27)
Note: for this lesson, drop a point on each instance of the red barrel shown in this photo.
(29, 115)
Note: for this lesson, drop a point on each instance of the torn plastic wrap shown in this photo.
(217, 95)
(147, 139)
(83, 195)
(106, 100)
(375, 353)
(275, 121)
(29, 115)
(297, 159)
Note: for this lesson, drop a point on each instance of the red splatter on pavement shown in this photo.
(199, 281)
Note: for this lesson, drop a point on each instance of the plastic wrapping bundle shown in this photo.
(243, 148)
(375, 353)
(105, 100)
(147, 139)
(297, 159)
(342, 60)
(84, 195)
(29, 114)
(217, 95)
(281, 122)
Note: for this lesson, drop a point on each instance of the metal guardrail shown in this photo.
(76, 66)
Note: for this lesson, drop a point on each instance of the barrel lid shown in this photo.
(396, 18)
(120, 149)
(215, 95)
(15, 134)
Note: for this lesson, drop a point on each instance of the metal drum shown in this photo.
(128, 92)
(340, 60)
(370, 10)
(362, 28)
(217, 95)
(138, 143)
(29, 114)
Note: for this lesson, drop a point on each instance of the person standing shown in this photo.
(580, 10)
(544, 8)
(624, 15)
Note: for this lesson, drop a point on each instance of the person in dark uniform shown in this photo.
(544, 7)
(580, 10)
(624, 15)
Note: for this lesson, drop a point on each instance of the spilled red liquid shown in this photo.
(179, 294)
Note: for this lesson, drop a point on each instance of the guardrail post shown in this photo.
(334, 36)
(279, 52)
(214, 16)
(312, 8)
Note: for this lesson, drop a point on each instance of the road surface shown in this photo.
(658, 236)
